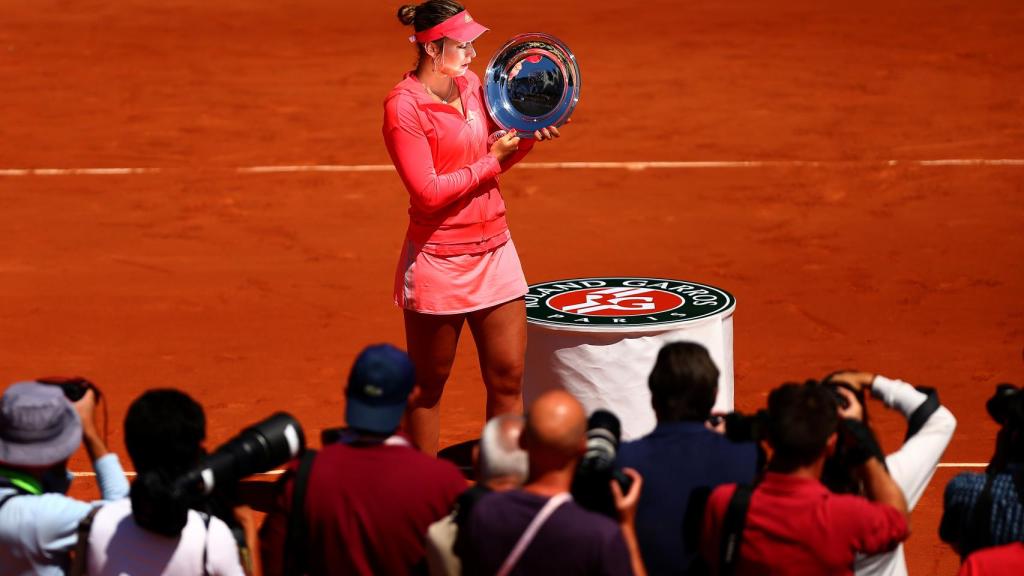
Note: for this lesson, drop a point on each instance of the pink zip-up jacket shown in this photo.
(455, 206)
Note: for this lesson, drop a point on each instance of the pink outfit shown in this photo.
(457, 256)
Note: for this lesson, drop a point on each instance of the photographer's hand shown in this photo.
(856, 380)
(626, 506)
(86, 408)
(853, 410)
(716, 423)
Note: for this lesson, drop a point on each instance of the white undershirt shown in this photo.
(118, 546)
(912, 466)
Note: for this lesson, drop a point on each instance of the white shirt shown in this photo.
(912, 466)
(119, 547)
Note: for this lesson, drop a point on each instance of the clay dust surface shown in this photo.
(254, 291)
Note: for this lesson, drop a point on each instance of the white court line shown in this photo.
(279, 472)
(76, 171)
(963, 464)
(655, 165)
(316, 168)
(132, 474)
(632, 166)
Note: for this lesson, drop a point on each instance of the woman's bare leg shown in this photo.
(500, 335)
(431, 341)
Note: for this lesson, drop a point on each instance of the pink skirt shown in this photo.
(434, 284)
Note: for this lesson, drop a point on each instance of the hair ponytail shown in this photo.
(407, 14)
(428, 14)
(157, 506)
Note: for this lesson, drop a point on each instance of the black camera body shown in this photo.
(591, 486)
(740, 427)
(74, 387)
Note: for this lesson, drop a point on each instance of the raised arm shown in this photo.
(626, 505)
(913, 464)
(109, 474)
(865, 455)
(880, 487)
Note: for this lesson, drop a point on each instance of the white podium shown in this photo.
(598, 338)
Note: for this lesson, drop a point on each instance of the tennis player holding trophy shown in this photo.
(458, 264)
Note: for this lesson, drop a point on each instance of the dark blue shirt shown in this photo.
(1006, 523)
(677, 460)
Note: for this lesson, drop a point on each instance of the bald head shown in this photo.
(500, 457)
(556, 429)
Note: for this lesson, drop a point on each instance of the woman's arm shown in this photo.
(410, 152)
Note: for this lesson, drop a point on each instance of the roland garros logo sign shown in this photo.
(623, 302)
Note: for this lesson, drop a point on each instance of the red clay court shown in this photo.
(197, 195)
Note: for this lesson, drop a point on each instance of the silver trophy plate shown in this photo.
(532, 82)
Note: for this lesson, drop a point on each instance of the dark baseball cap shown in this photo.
(379, 385)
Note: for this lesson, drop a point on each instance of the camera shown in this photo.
(834, 386)
(740, 427)
(74, 387)
(258, 448)
(591, 486)
(1006, 405)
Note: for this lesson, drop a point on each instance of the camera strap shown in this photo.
(732, 529)
(81, 549)
(21, 482)
(294, 554)
(535, 525)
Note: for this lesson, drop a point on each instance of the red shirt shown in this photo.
(1006, 560)
(796, 526)
(367, 510)
(442, 157)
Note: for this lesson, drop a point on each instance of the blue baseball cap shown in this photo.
(379, 385)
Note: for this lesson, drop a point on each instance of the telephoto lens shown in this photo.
(603, 433)
(258, 448)
(591, 486)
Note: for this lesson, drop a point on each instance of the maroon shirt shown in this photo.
(796, 526)
(367, 510)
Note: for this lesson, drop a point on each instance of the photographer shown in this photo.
(983, 510)
(930, 427)
(790, 522)
(681, 460)
(540, 529)
(40, 429)
(500, 465)
(363, 504)
(155, 531)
